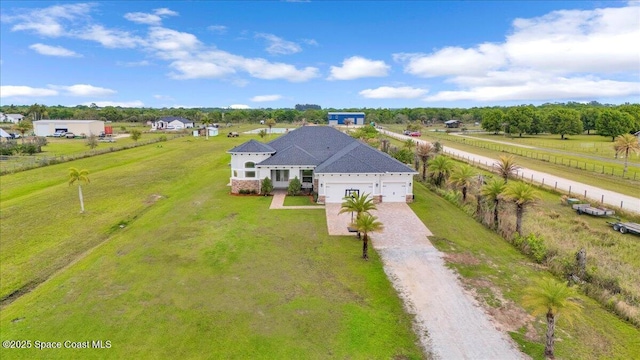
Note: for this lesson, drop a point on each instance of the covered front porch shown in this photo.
(282, 176)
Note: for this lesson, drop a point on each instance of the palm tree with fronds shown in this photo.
(80, 176)
(367, 224)
(358, 204)
(523, 195)
(506, 166)
(23, 127)
(462, 177)
(492, 191)
(624, 144)
(440, 168)
(424, 151)
(551, 298)
(270, 123)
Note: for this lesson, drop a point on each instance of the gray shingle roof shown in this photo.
(330, 150)
(179, 118)
(252, 146)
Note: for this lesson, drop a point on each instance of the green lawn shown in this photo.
(499, 273)
(192, 272)
(302, 200)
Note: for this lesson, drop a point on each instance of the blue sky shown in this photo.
(373, 54)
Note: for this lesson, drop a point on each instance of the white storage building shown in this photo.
(78, 127)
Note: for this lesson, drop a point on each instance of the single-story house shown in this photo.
(78, 127)
(326, 161)
(172, 123)
(13, 118)
(452, 123)
(342, 118)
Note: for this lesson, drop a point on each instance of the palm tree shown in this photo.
(270, 122)
(424, 151)
(81, 176)
(522, 195)
(550, 298)
(624, 144)
(366, 224)
(22, 127)
(506, 166)
(440, 168)
(358, 204)
(462, 176)
(206, 120)
(493, 191)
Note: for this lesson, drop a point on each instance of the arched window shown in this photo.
(249, 165)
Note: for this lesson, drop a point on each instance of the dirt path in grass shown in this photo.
(449, 321)
(595, 194)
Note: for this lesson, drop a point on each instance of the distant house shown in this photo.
(326, 161)
(78, 127)
(172, 123)
(452, 123)
(342, 118)
(13, 118)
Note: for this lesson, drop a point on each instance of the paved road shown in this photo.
(450, 323)
(595, 194)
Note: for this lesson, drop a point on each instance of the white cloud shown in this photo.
(48, 21)
(124, 104)
(563, 55)
(357, 67)
(239, 106)
(53, 50)
(165, 12)
(84, 90)
(387, 92)
(265, 98)
(25, 91)
(172, 44)
(220, 29)
(310, 42)
(143, 18)
(193, 69)
(109, 38)
(133, 63)
(279, 46)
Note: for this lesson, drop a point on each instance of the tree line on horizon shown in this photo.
(556, 118)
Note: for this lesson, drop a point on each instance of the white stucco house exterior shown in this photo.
(326, 161)
(172, 123)
(12, 118)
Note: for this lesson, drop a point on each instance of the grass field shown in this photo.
(164, 263)
(302, 200)
(498, 274)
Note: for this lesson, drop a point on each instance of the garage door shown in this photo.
(394, 192)
(333, 122)
(335, 192)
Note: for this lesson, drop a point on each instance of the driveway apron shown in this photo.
(450, 322)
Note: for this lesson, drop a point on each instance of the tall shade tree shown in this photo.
(492, 120)
(613, 122)
(492, 191)
(519, 119)
(588, 117)
(625, 144)
(440, 168)
(551, 298)
(79, 176)
(462, 177)
(367, 224)
(506, 166)
(564, 122)
(424, 151)
(522, 195)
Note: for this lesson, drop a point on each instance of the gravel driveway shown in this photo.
(449, 321)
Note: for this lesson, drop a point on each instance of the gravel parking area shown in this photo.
(449, 321)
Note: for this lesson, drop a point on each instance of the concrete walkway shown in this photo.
(450, 323)
(574, 188)
(278, 202)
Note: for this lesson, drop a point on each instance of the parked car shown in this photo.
(415, 133)
(59, 133)
(69, 135)
(406, 132)
(233, 134)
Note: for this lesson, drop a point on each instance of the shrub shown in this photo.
(294, 187)
(266, 187)
(532, 245)
(162, 138)
(28, 148)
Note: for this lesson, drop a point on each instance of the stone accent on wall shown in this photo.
(409, 198)
(315, 185)
(321, 199)
(237, 185)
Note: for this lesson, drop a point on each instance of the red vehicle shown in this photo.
(415, 133)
